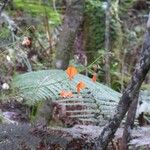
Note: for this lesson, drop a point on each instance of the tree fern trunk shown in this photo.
(72, 21)
(129, 94)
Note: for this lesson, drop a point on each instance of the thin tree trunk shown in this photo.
(47, 29)
(129, 124)
(107, 42)
(5, 2)
(72, 21)
(129, 94)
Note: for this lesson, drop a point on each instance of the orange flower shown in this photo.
(71, 72)
(94, 77)
(66, 94)
(81, 85)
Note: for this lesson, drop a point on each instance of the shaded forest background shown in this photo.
(102, 40)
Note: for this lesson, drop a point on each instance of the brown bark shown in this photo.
(72, 21)
(129, 94)
(129, 124)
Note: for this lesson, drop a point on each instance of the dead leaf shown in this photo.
(66, 94)
(94, 78)
(71, 72)
(81, 85)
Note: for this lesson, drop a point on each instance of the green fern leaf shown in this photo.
(40, 85)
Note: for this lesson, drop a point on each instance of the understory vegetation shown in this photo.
(100, 42)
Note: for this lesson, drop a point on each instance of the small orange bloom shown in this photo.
(94, 78)
(71, 72)
(81, 85)
(66, 94)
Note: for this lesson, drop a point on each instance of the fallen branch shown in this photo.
(129, 94)
(11, 25)
(3, 6)
(126, 137)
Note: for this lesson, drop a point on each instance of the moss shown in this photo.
(4, 32)
(125, 5)
(94, 26)
(38, 8)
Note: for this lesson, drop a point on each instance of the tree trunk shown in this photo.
(107, 43)
(72, 21)
(129, 94)
(129, 124)
(5, 2)
(43, 114)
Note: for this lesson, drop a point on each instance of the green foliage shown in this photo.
(41, 85)
(5, 35)
(37, 7)
(94, 27)
(4, 32)
(126, 4)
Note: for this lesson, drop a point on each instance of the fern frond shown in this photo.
(83, 116)
(83, 111)
(40, 85)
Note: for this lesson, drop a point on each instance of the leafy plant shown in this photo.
(44, 84)
(38, 8)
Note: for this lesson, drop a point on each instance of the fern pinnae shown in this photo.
(95, 99)
(82, 116)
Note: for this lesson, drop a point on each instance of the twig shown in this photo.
(54, 5)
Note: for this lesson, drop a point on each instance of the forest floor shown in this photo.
(18, 133)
